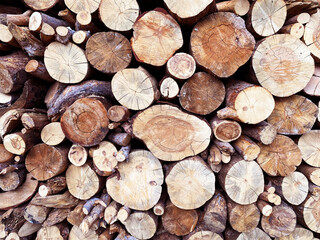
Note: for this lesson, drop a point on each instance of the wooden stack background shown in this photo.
(162, 119)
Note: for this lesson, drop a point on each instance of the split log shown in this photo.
(281, 222)
(181, 66)
(77, 155)
(307, 213)
(243, 218)
(147, 173)
(224, 147)
(116, 55)
(53, 186)
(66, 63)
(104, 157)
(124, 213)
(33, 120)
(54, 163)
(266, 17)
(215, 43)
(239, 7)
(82, 181)
(293, 115)
(293, 188)
(28, 229)
(119, 15)
(274, 59)
(199, 177)
(12, 180)
(247, 148)
(56, 216)
(215, 214)
(161, 32)
(308, 146)
(242, 180)
(170, 133)
(11, 220)
(135, 88)
(188, 13)
(76, 215)
(280, 158)
(65, 200)
(27, 41)
(36, 214)
(37, 19)
(52, 134)
(262, 132)
(77, 6)
(177, 221)
(77, 234)
(247, 103)
(264, 207)
(310, 34)
(202, 94)
(63, 34)
(142, 225)
(18, 143)
(47, 34)
(60, 96)
(202, 234)
(295, 29)
(40, 5)
(111, 211)
(312, 173)
(257, 233)
(225, 130)
(169, 88)
(313, 86)
(118, 113)
(85, 122)
(12, 74)
(20, 195)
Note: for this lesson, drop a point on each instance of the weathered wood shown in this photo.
(66, 63)
(239, 7)
(28, 229)
(18, 143)
(33, 120)
(281, 222)
(124, 213)
(288, 112)
(77, 155)
(263, 132)
(302, 18)
(169, 88)
(52, 134)
(299, 233)
(274, 59)
(68, 16)
(76, 215)
(65, 200)
(187, 12)
(280, 158)
(312, 173)
(266, 17)
(247, 103)
(177, 221)
(242, 180)
(164, 37)
(199, 177)
(119, 15)
(159, 208)
(12, 180)
(221, 53)
(53, 232)
(135, 88)
(63, 34)
(142, 225)
(111, 211)
(118, 113)
(54, 163)
(18, 18)
(85, 122)
(308, 145)
(56, 216)
(80, 37)
(171, 134)
(202, 94)
(82, 181)
(53, 186)
(247, 148)
(6, 36)
(47, 34)
(20, 195)
(181, 66)
(36, 214)
(37, 19)
(121, 139)
(87, 207)
(77, 234)
(243, 218)
(139, 184)
(5, 156)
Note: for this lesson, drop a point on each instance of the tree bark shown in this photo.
(111, 211)
(247, 148)
(262, 132)
(65, 200)
(168, 122)
(277, 76)
(148, 25)
(220, 54)
(37, 19)
(141, 174)
(34, 120)
(63, 34)
(312, 173)
(280, 158)
(18, 143)
(56, 216)
(12, 180)
(53, 186)
(118, 113)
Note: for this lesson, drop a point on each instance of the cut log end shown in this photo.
(181, 66)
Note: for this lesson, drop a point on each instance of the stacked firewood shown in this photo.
(164, 119)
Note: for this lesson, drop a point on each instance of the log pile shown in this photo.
(164, 119)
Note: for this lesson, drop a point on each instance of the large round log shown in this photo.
(282, 64)
(139, 185)
(171, 134)
(194, 173)
(221, 43)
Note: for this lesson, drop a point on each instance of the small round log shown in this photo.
(169, 88)
(52, 134)
(118, 113)
(77, 155)
(308, 145)
(225, 130)
(181, 66)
